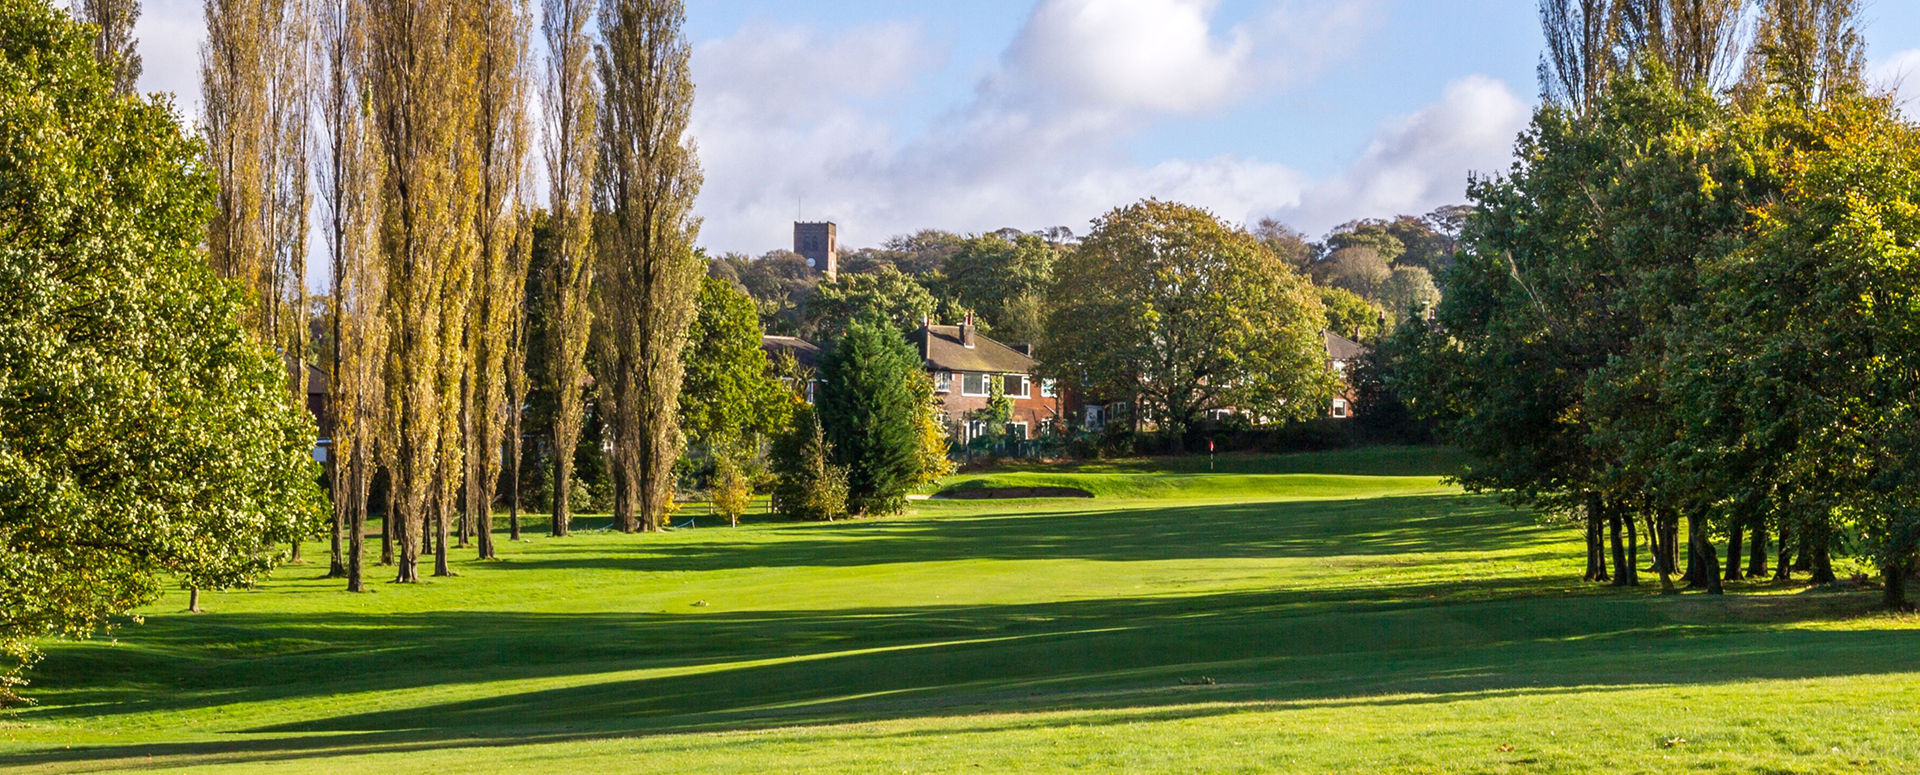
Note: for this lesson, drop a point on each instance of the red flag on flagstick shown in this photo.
(1209, 445)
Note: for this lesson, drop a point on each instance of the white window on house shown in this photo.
(1096, 417)
(1046, 388)
(1339, 407)
(1046, 426)
(1018, 430)
(943, 382)
(973, 384)
(1016, 386)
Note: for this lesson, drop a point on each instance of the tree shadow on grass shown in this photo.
(1298, 529)
(646, 674)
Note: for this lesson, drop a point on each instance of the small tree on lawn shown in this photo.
(808, 486)
(930, 431)
(867, 409)
(731, 491)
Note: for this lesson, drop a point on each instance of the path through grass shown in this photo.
(1351, 614)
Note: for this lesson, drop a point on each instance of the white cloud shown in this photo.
(1418, 162)
(1039, 144)
(789, 116)
(1900, 75)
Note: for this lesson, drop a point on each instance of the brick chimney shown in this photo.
(966, 332)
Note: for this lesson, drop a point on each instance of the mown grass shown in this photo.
(1316, 619)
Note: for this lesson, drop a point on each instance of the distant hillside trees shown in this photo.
(145, 431)
(1164, 304)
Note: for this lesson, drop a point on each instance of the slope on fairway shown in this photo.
(1316, 619)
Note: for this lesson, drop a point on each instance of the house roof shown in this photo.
(1340, 348)
(940, 347)
(317, 379)
(804, 352)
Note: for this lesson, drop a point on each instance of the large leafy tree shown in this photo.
(1821, 317)
(886, 292)
(145, 431)
(1003, 277)
(868, 407)
(1164, 303)
(729, 393)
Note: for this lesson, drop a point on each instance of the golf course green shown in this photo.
(1337, 612)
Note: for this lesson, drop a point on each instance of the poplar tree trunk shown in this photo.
(357, 524)
(193, 600)
(386, 527)
(562, 473)
(513, 484)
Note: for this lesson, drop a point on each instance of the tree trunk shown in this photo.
(620, 474)
(1734, 551)
(1822, 540)
(386, 525)
(193, 600)
(1895, 577)
(1805, 561)
(1757, 559)
(293, 558)
(1633, 552)
(405, 542)
(1622, 572)
(562, 485)
(1662, 552)
(336, 565)
(441, 516)
(1596, 555)
(357, 529)
(513, 483)
(1783, 564)
(1702, 556)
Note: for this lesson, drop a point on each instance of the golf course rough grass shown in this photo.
(1346, 612)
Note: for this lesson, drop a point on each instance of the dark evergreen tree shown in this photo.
(866, 409)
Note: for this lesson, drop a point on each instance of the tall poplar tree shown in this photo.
(648, 179)
(500, 142)
(570, 109)
(414, 71)
(114, 44)
(348, 177)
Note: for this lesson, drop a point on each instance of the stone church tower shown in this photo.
(817, 243)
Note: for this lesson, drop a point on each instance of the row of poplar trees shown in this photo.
(410, 120)
(1696, 296)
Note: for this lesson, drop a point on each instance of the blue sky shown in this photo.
(971, 116)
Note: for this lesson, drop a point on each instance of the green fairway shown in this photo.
(1346, 612)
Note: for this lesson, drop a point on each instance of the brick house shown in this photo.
(964, 363)
(1341, 353)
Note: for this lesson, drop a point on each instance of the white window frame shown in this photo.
(943, 382)
(1047, 389)
(1025, 428)
(986, 389)
(1340, 407)
(1026, 385)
